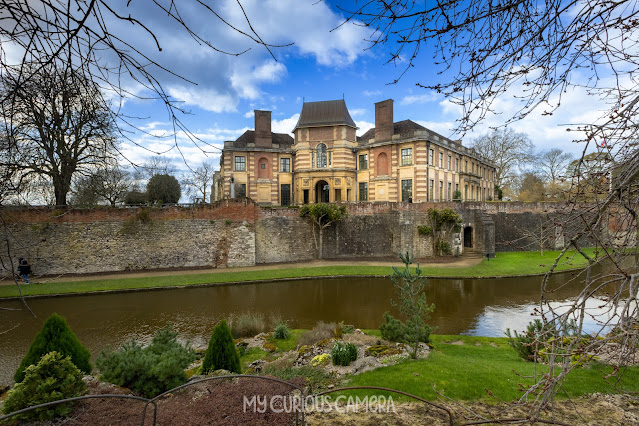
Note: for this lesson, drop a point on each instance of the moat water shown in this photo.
(484, 307)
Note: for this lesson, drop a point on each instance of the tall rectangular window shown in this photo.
(465, 192)
(330, 158)
(441, 160)
(456, 164)
(363, 162)
(285, 165)
(313, 159)
(363, 191)
(449, 158)
(285, 194)
(240, 164)
(449, 195)
(407, 189)
(441, 190)
(431, 190)
(466, 166)
(430, 157)
(407, 156)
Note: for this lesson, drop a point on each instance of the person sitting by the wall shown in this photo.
(24, 269)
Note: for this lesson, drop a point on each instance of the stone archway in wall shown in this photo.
(468, 237)
(322, 191)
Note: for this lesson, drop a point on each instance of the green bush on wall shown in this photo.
(55, 336)
(53, 378)
(221, 353)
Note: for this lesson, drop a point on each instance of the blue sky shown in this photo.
(319, 65)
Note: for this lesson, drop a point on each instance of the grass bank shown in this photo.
(520, 263)
(466, 368)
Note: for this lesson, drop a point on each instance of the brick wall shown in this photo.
(240, 233)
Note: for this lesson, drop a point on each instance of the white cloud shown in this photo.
(285, 125)
(371, 93)
(363, 127)
(357, 111)
(207, 99)
(249, 114)
(246, 83)
(420, 99)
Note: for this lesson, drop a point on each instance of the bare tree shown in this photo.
(553, 165)
(508, 150)
(531, 188)
(198, 181)
(110, 183)
(57, 123)
(542, 49)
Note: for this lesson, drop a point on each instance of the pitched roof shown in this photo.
(405, 127)
(249, 137)
(324, 113)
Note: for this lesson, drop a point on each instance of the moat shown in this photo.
(484, 307)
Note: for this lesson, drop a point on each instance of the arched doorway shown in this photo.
(468, 237)
(321, 192)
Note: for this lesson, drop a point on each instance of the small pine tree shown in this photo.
(55, 336)
(53, 378)
(221, 353)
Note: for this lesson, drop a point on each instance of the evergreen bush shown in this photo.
(54, 377)
(55, 336)
(281, 331)
(529, 343)
(343, 353)
(151, 370)
(221, 353)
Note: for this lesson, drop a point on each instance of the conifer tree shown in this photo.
(55, 336)
(221, 353)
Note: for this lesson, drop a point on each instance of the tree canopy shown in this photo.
(163, 189)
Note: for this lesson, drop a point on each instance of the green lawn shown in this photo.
(520, 263)
(465, 372)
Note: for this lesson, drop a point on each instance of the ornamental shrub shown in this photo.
(343, 353)
(148, 371)
(221, 353)
(55, 336)
(529, 342)
(281, 331)
(54, 377)
(163, 189)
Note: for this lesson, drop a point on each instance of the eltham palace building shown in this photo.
(326, 162)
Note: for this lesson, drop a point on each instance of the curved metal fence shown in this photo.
(300, 413)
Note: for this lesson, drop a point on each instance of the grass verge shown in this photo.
(467, 368)
(520, 263)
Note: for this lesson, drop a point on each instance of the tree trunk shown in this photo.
(321, 234)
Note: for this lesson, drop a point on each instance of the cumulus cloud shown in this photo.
(363, 127)
(420, 99)
(285, 125)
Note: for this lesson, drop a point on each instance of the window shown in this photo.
(240, 190)
(285, 194)
(456, 164)
(466, 165)
(431, 189)
(430, 157)
(330, 158)
(313, 159)
(407, 156)
(321, 155)
(263, 166)
(285, 164)
(441, 190)
(363, 191)
(441, 160)
(450, 196)
(465, 192)
(407, 189)
(363, 162)
(449, 158)
(240, 164)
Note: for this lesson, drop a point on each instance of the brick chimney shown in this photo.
(263, 136)
(383, 120)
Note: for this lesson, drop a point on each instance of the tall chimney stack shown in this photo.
(263, 136)
(384, 120)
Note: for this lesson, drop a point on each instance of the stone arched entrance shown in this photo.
(321, 192)
(468, 237)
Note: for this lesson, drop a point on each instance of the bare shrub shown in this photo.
(247, 324)
(321, 331)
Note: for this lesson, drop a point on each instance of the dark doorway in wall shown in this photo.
(321, 192)
(468, 237)
(306, 196)
(338, 195)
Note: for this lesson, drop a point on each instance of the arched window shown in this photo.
(321, 155)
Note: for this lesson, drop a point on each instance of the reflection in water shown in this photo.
(472, 306)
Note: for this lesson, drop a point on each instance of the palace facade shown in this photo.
(325, 161)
